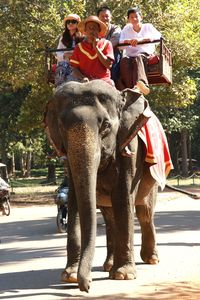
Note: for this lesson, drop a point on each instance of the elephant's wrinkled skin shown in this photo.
(88, 122)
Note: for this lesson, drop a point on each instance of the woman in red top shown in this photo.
(93, 57)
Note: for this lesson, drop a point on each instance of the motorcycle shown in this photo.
(4, 198)
(61, 199)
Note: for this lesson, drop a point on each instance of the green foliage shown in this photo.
(32, 109)
(10, 103)
(26, 27)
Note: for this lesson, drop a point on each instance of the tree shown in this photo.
(28, 26)
(10, 103)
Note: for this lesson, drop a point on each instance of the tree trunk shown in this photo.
(13, 171)
(28, 164)
(3, 150)
(190, 155)
(51, 176)
(184, 163)
(23, 165)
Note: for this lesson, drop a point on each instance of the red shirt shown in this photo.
(85, 58)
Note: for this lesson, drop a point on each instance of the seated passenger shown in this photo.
(3, 185)
(93, 57)
(70, 37)
(113, 34)
(133, 65)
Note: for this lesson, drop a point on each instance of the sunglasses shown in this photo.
(71, 22)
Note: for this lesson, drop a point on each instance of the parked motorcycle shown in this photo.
(61, 199)
(4, 197)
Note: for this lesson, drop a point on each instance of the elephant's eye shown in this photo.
(105, 128)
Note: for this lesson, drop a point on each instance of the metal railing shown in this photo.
(194, 178)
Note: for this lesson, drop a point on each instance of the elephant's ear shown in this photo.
(129, 96)
(140, 113)
(121, 101)
(50, 123)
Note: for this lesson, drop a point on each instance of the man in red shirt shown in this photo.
(93, 57)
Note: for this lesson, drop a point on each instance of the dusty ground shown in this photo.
(33, 254)
(33, 195)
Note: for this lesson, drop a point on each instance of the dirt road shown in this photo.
(32, 256)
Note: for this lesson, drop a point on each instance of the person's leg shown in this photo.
(62, 70)
(141, 80)
(115, 70)
(126, 72)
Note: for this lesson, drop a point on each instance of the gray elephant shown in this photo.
(96, 127)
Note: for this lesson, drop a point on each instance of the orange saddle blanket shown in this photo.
(157, 150)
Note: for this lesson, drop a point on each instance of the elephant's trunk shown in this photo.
(84, 157)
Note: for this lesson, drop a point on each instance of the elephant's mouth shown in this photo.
(104, 163)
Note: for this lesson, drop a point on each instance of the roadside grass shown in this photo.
(30, 190)
(32, 186)
(37, 183)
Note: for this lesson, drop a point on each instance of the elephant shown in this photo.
(95, 126)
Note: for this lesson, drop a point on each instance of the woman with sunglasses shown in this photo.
(70, 37)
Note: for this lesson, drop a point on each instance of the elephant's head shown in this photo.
(98, 108)
(88, 111)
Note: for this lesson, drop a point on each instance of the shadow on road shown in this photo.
(45, 229)
(170, 221)
(37, 281)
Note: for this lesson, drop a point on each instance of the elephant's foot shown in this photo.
(127, 272)
(150, 257)
(69, 276)
(108, 264)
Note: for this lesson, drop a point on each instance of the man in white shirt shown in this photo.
(3, 184)
(133, 64)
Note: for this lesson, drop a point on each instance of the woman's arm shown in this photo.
(67, 54)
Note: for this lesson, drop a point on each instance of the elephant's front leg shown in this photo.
(73, 239)
(145, 202)
(124, 264)
(107, 213)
